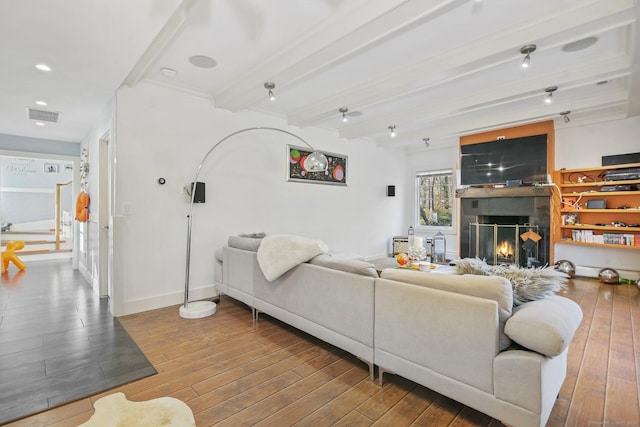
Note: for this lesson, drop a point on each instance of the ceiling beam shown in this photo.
(167, 34)
(578, 75)
(466, 123)
(432, 70)
(361, 25)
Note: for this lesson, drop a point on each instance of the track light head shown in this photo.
(565, 116)
(392, 128)
(344, 111)
(426, 142)
(526, 50)
(549, 98)
(270, 86)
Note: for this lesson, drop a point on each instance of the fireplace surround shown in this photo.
(516, 209)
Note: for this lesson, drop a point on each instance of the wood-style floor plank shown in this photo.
(234, 372)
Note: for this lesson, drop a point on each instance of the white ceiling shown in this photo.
(433, 68)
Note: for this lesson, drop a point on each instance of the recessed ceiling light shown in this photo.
(43, 67)
(203, 61)
(580, 44)
(39, 124)
(168, 72)
(41, 103)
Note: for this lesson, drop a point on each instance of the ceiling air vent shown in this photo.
(43, 115)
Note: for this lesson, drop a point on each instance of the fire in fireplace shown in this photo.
(502, 244)
(504, 249)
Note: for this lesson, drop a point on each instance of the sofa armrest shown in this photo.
(545, 326)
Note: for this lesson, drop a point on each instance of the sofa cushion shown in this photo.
(350, 265)
(489, 287)
(245, 242)
(545, 326)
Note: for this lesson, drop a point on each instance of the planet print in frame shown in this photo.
(336, 173)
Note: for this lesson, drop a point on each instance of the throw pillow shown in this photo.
(247, 242)
(545, 326)
(349, 265)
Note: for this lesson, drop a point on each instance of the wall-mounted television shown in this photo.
(502, 160)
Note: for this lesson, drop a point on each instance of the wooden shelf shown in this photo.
(600, 245)
(601, 193)
(584, 191)
(601, 227)
(598, 183)
(586, 211)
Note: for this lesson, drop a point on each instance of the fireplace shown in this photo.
(502, 244)
(492, 220)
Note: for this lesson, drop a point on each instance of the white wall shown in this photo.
(164, 133)
(428, 159)
(583, 147)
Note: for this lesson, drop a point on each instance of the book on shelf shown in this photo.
(587, 236)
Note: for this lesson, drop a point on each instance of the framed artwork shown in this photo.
(336, 173)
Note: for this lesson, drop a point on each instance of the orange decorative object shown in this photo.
(82, 207)
(402, 259)
(10, 256)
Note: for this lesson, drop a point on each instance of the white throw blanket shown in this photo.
(279, 253)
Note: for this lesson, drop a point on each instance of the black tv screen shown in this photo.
(497, 162)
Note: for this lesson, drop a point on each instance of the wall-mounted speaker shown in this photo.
(391, 190)
(199, 194)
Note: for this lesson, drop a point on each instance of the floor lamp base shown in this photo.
(198, 309)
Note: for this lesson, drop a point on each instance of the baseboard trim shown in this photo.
(593, 272)
(161, 301)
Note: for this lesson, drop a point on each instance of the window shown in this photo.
(434, 198)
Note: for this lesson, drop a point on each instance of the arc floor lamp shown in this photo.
(315, 162)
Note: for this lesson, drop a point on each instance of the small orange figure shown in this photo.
(9, 255)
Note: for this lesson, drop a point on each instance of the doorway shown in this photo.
(36, 203)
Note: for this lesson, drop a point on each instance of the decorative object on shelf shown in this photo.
(566, 267)
(439, 248)
(609, 275)
(315, 162)
(402, 259)
(417, 251)
(335, 173)
(400, 245)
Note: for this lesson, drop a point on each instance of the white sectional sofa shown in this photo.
(456, 334)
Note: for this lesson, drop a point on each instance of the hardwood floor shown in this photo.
(58, 341)
(232, 372)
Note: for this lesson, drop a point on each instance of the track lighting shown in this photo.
(426, 142)
(526, 50)
(565, 116)
(344, 110)
(270, 86)
(549, 97)
(392, 128)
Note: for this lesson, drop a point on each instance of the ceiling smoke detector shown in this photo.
(43, 115)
